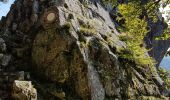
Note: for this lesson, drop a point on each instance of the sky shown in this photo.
(165, 63)
(166, 60)
(5, 7)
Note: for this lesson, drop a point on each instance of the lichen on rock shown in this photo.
(72, 50)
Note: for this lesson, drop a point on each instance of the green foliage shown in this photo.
(113, 2)
(130, 10)
(164, 36)
(151, 10)
(87, 29)
(165, 75)
(135, 29)
(133, 19)
(67, 25)
(65, 28)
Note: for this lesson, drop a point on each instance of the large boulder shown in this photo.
(23, 90)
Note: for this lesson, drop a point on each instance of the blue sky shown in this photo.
(165, 63)
(5, 7)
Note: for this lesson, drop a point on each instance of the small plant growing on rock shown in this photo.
(87, 30)
(165, 75)
(67, 25)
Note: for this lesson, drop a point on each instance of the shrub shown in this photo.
(165, 75)
(135, 29)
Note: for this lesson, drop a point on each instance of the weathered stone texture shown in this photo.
(74, 56)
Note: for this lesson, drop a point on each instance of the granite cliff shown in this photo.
(70, 50)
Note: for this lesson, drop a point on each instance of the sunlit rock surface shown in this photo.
(23, 90)
(71, 48)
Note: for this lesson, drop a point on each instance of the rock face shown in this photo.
(72, 48)
(23, 90)
(159, 47)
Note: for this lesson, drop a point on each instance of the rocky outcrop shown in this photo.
(23, 90)
(72, 48)
(159, 47)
